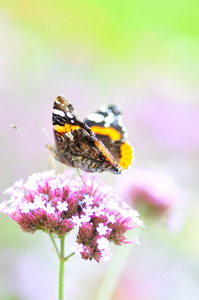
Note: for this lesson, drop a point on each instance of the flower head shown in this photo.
(155, 193)
(56, 203)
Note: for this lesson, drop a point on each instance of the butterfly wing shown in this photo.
(108, 127)
(75, 143)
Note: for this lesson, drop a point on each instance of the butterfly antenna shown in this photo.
(25, 131)
(18, 128)
(49, 146)
(45, 132)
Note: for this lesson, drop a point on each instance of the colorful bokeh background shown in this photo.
(143, 55)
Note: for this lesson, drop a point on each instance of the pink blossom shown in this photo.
(57, 203)
(153, 192)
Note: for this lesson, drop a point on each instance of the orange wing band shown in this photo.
(65, 128)
(111, 132)
(105, 152)
(126, 156)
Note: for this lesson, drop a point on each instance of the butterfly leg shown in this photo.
(62, 167)
(78, 171)
(52, 160)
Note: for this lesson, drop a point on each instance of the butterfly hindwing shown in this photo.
(108, 127)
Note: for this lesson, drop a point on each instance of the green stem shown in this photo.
(70, 255)
(61, 268)
(54, 244)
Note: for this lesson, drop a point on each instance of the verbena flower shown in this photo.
(155, 193)
(57, 203)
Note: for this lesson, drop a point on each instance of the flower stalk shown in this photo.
(54, 244)
(61, 268)
(62, 260)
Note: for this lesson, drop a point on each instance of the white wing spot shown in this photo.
(69, 115)
(58, 112)
(119, 119)
(95, 117)
(110, 118)
(57, 101)
(104, 108)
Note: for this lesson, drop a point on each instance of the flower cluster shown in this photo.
(155, 194)
(56, 203)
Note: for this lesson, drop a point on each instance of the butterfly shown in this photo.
(94, 145)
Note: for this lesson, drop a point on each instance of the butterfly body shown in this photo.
(86, 145)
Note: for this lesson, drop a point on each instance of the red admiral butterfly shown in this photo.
(96, 145)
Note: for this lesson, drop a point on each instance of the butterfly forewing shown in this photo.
(75, 143)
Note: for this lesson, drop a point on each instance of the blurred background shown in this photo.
(143, 55)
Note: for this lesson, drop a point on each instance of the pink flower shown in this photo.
(56, 203)
(154, 193)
